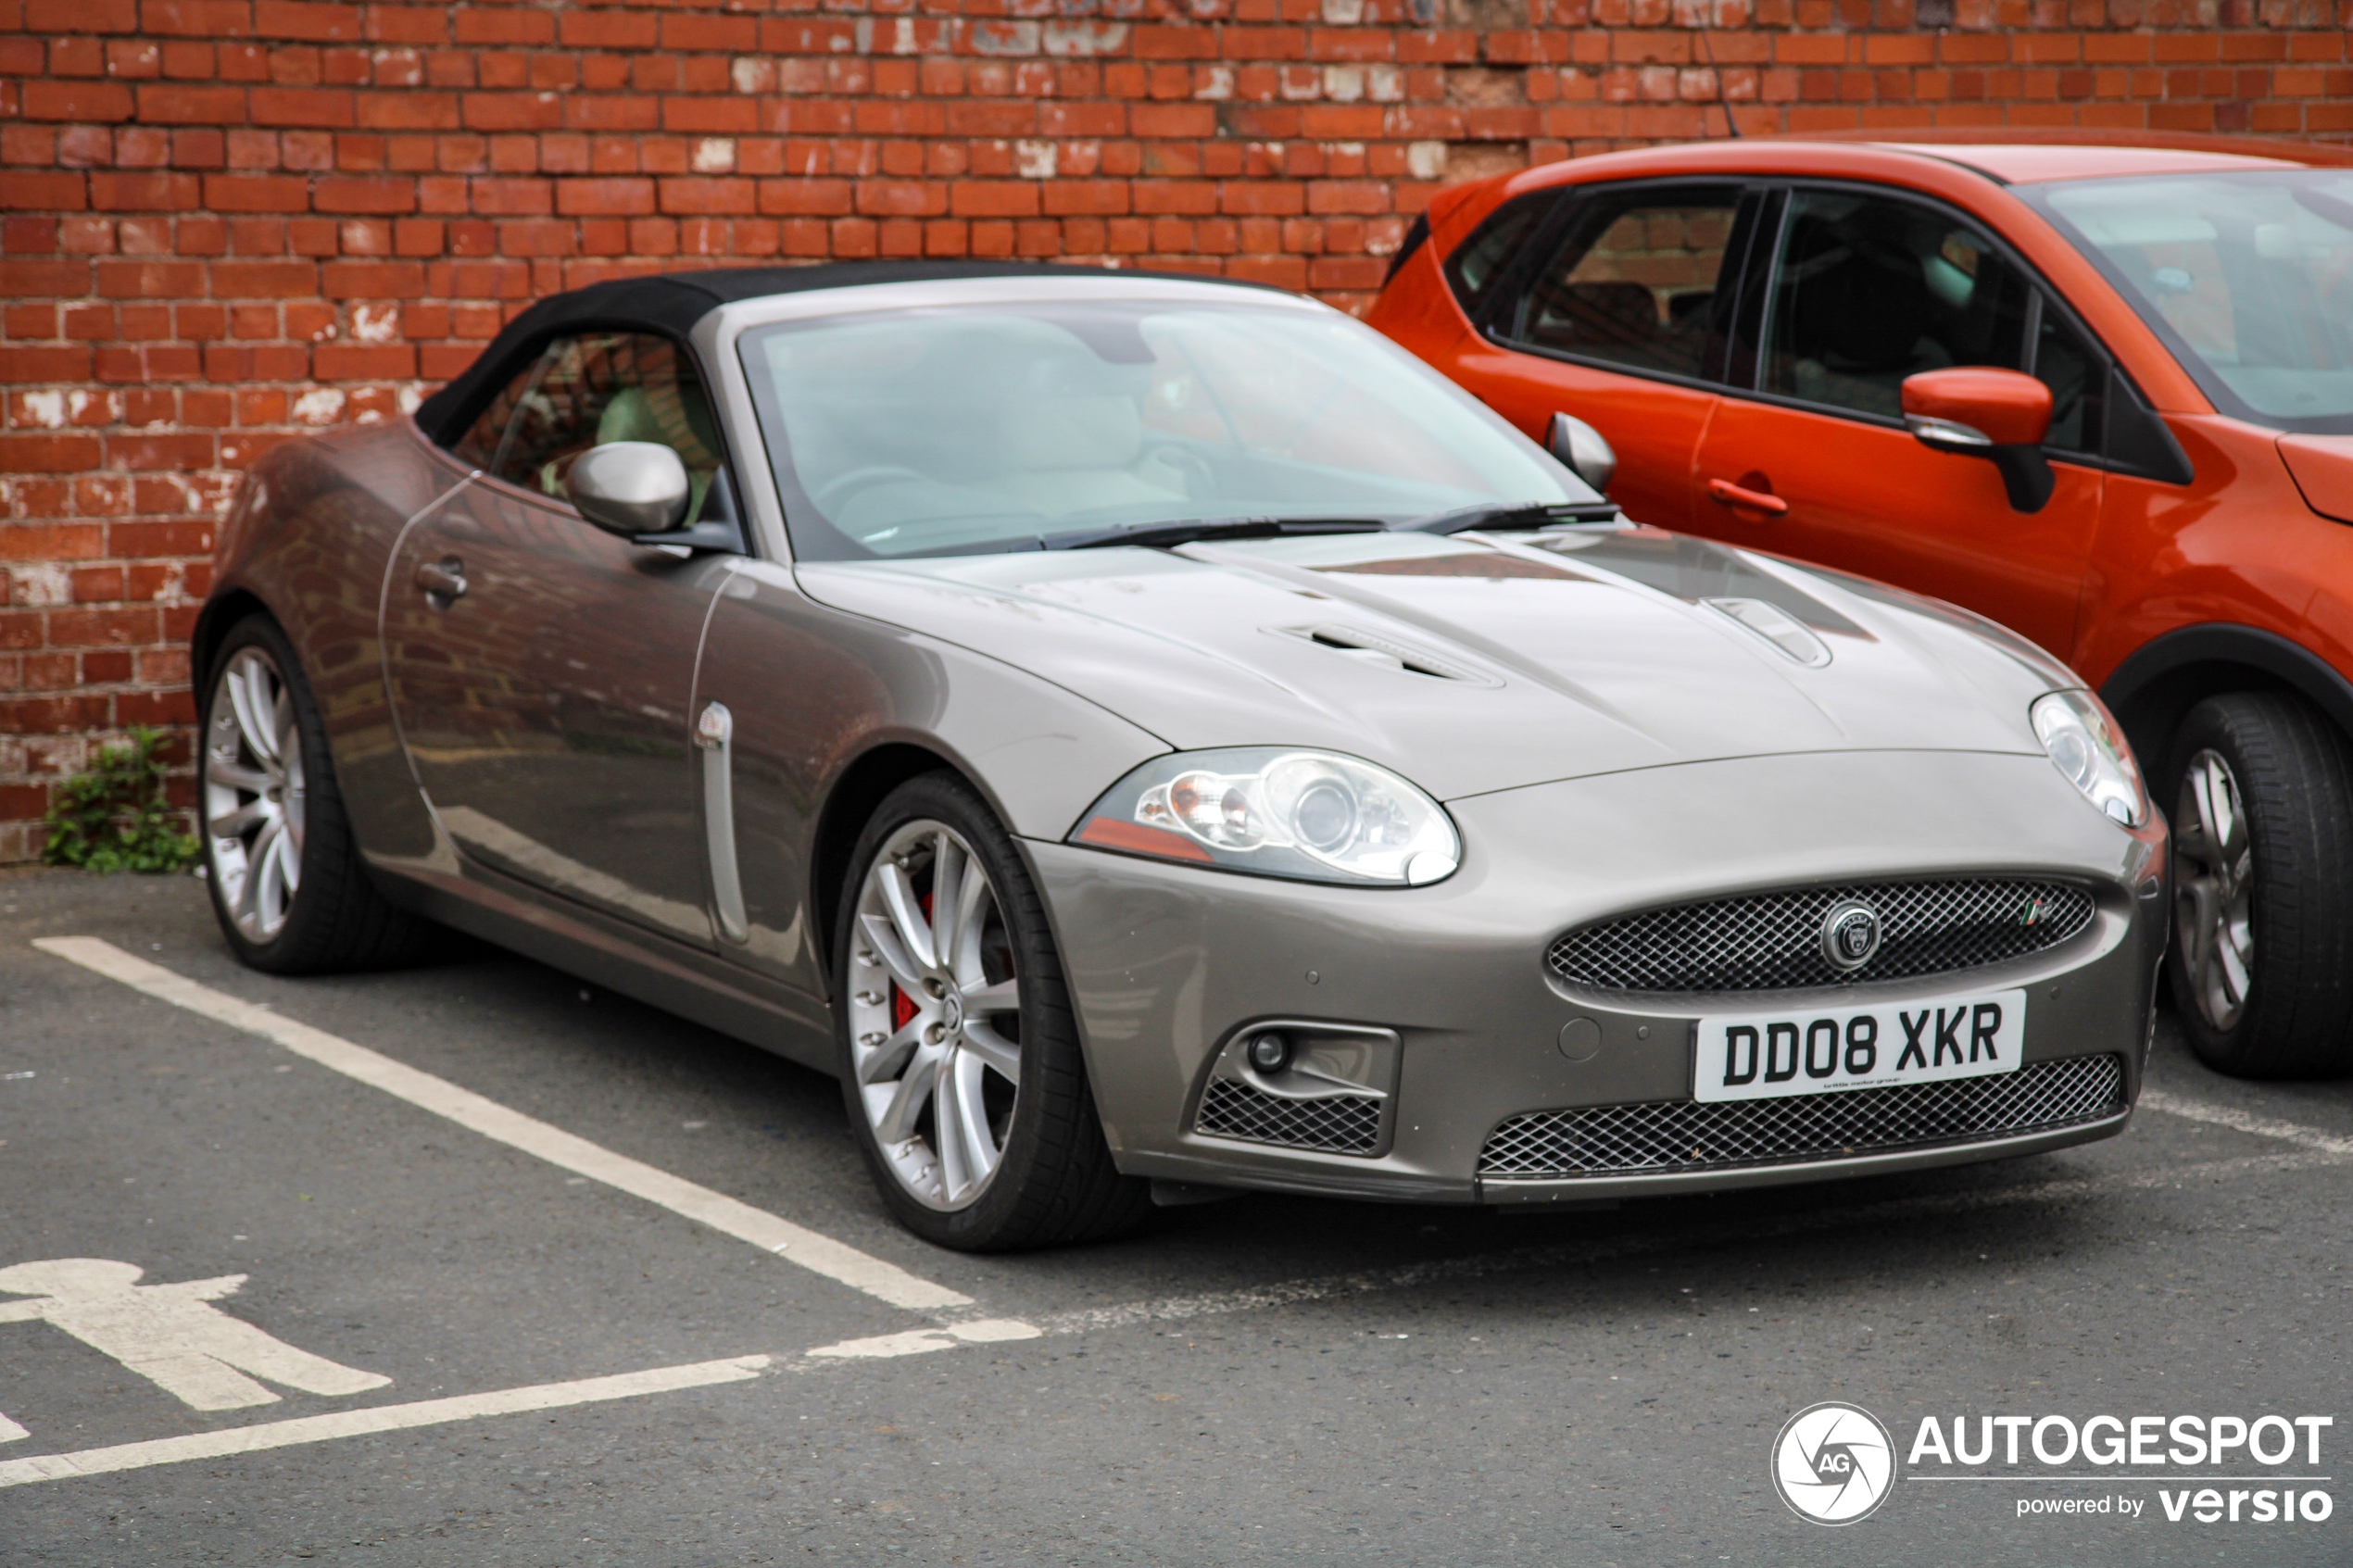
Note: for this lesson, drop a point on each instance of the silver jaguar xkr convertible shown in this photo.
(1149, 737)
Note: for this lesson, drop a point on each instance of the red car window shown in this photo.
(2076, 373)
(1635, 281)
(1471, 271)
(1871, 290)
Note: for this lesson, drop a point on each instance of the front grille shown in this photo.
(1773, 941)
(1343, 1124)
(1661, 1136)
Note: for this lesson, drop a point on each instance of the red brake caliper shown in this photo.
(902, 1005)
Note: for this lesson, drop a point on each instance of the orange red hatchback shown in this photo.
(2098, 390)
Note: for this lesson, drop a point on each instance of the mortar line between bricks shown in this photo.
(819, 1254)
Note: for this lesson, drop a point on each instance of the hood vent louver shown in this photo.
(1789, 636)
(1386, 653)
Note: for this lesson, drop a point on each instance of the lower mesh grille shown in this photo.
(1343, 1124)
(1686, 1136)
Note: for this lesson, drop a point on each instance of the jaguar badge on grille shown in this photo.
(1850, 935)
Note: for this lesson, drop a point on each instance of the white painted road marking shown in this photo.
(2245, 1121)
(987, 1331)
(891, 1284)
(381, 1418)
(10, 1431)
(819, 1254)
(171, 1335)
(389, 1418)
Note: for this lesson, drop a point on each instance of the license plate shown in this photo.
(1824, 1050)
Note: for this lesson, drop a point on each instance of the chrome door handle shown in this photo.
(444, 580)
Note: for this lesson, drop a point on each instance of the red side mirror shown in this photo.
(1977, 412)
(2001, 407)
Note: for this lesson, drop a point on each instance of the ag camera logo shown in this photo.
(1833, 1463)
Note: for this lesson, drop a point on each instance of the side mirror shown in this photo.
(1581, 450)
(630, 487)
(1977, 412)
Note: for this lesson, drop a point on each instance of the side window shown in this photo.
(2078, 379)
(1869, 290)
(478, 447)
(599, 387)
(1478, 261)
(1634, 282)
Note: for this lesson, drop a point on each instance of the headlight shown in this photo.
(2084, 744)
(1308, 814)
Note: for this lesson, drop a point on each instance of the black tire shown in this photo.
(2292, 776)
(333, 919)
(1055, 1182)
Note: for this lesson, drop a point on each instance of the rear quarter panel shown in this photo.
(307, 543)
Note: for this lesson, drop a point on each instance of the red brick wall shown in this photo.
(225, 222)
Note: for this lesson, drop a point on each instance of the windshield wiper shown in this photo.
(1159, 535)
(1520, 514)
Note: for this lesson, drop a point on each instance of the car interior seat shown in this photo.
(1860, 321)
(1593, 315)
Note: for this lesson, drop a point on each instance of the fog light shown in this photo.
(1270, 1053)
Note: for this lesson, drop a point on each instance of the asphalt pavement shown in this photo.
(479, 1263)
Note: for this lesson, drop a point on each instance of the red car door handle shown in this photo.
(1724, 493)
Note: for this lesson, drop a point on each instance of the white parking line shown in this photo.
(381, 1418)
(819, 1254)
(2245, 1121)
(987, 1331)
(2323, 1150)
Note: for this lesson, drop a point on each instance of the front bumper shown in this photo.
(1170, 966)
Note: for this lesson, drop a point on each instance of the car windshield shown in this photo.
(1007, 427)
(2246, 275)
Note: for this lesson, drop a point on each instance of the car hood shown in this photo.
(1477, 663)
(2322, 468)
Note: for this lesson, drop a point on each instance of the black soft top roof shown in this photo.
(673, 302)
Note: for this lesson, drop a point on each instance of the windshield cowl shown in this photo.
(1159, 535)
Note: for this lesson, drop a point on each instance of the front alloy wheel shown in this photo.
(254, 794)
(935, 1017)
(960, 1056)
(2214, 890)
(2263, 837)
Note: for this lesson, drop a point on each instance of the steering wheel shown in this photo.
(842, 487)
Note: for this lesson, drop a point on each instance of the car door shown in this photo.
(1620, 315)
(1811, 457)
(540, 668)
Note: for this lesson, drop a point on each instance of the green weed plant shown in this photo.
(114, 818)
